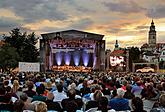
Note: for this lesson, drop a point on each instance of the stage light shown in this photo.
(59, 58)
(76, 57)
(85, 57)
(67, 58)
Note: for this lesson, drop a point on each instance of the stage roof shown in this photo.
(73, 34)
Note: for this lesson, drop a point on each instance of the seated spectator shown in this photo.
(30, 92)
(94, 103)
(71, 95)
(39, 97)
(52, 105)
(103, 104)
(71, 106)
(137, 105)
(85, 89)
(119, 103)
(137, 89)
(28, 105)
(2, 93)
(59, 94)
(149, 93)
(161, 107)
(7, 105)
(18, 106)
(128, 94)
(40, 107)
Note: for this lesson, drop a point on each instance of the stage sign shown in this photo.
(29, 67)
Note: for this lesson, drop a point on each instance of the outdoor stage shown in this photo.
(72, 50)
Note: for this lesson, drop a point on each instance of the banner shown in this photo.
(29, 67)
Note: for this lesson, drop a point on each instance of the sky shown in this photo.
(127, 21)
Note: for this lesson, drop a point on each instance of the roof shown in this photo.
(148, 53)
(73, 34)
(160, 45)
(118, 53)
(145, 45)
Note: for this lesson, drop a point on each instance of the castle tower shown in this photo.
(116, 45)
(152, 36)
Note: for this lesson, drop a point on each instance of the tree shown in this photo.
(24, 44)
(134, 56)
(9, 58)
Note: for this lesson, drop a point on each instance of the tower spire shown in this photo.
(152, 23)
(116, 44)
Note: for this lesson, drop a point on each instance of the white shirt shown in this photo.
(58, 97)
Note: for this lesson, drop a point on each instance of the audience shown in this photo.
(71, 92)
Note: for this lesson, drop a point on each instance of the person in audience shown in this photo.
(27, 105)
(30, 92)
(128, 94)
(71, 106)
(6, 104)
(137, 105)
(39, 96)
(2, 94)
(137, 89)
(103, 104)
(71, 95)
(15, 88)
(85, 89)
(149, 93)
(18, 106)
(119, 103)
(59, 94)
(94, 103)
(40, 107)
(52, 105)
(161, 107)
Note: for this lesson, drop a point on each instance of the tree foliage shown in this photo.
(24, 44)
(18, 47)
(9, 58)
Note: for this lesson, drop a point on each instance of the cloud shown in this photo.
(124, 6)
(142, 28)
(156, 12)
(35, 10)
(82, 24)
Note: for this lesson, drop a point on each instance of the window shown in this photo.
(164, 53)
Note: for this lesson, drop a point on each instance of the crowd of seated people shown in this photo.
(82, 92)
